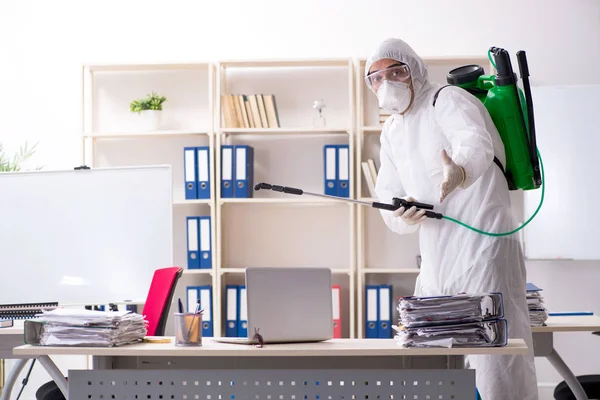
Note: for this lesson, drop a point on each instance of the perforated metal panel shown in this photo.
(458, 384)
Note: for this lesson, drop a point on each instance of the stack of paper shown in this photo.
(535, 302)
(75, 327)
(452, 321)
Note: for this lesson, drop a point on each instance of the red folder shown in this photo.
(337, 311)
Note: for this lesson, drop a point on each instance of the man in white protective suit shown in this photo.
(443, 155)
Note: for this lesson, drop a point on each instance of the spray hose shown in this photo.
(514, 230)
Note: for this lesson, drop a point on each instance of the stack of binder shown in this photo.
(237, 171)
(378, 304)
(336, 162)
(236, 320)
(76, 327)
(452, 321)
(196, 171)
(538, 314)
(199, 249)
(201, 298)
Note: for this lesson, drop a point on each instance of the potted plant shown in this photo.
(149, 109)
(8, 164)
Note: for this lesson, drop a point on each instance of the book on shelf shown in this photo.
(370, 172)
(250, 111)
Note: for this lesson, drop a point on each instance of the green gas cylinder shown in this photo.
(510, 110)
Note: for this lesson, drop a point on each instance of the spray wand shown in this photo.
(397, 203)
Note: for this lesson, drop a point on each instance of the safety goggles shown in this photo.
(395, 73)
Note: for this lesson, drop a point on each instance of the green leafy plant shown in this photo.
(8, 164)
(150, 102)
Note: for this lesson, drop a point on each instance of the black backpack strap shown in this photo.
(496, 160)
(435, 96)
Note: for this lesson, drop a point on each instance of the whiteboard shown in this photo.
(567, 120)
(84, 236)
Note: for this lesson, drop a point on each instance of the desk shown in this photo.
(543, 344)
(325, 370)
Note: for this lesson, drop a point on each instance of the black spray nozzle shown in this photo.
(504, 71)
(278, 188)
(397, 203)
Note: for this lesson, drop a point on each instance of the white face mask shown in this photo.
(394, 96)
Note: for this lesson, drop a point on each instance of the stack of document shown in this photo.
(538, 314)
(76, 327)
(452, 321)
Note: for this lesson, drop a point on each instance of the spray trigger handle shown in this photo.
(397, 203)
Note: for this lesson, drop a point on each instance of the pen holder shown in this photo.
(188, 329)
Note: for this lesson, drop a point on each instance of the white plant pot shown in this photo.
(149, 120)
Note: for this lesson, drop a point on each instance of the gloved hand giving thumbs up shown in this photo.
(454, 176)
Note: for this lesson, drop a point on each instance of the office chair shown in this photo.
(590, 384)
(156, 311)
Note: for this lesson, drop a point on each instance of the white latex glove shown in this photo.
(410, 216)
(454, 176)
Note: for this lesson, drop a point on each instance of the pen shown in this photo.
(180, 306)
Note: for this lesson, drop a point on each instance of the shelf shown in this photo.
(291, 200)
(334, 62)
(225, 270)
(286, 131)
(372, 129)
(146, 67)
(390, 270)
(180, 202)
(198, 271)
(126, 135)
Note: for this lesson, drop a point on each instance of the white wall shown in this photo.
(44, 43)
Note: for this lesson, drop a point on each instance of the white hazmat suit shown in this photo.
(454, 258)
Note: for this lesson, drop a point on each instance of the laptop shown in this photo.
(287, 305)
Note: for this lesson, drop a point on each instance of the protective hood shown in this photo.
(399, 50)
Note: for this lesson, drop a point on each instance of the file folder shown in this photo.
(243, 312)
(244, 171)
(189, 171)
(343, 170)
(193, 233)
(337, 312)
(330, 173)
(205, 293)
(231, 320)
(203, 163)
(372, 314)
(227, 171)
(191, 298)
(205, 243)
(385, 312)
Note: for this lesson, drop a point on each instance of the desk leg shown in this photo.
(55, 374)
(12, 378)
(564, 371)
(543, 346)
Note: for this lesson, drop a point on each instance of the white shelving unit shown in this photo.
(111, 138)
(270, 228)
(281, 155)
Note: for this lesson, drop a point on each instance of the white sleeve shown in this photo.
(464, 126)
(387, 187)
